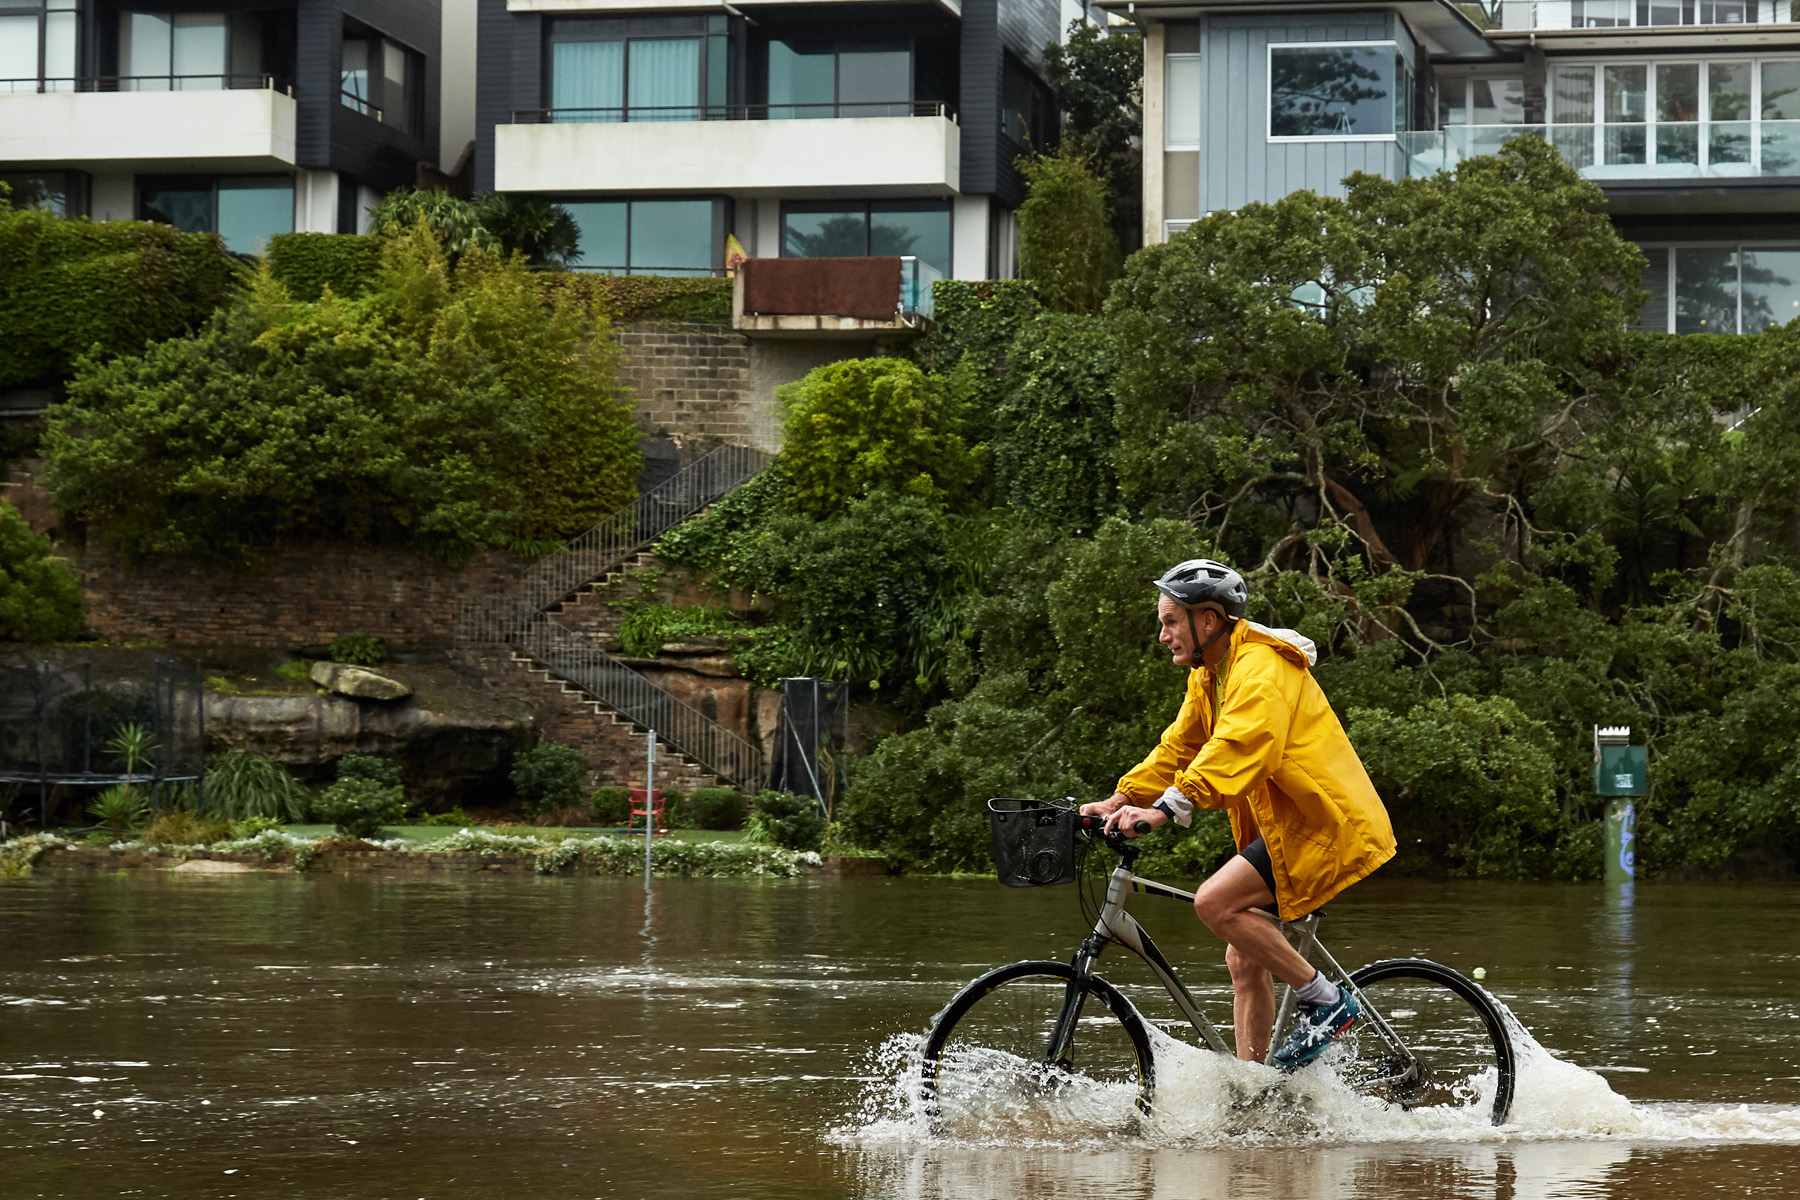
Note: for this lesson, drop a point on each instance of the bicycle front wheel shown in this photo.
(1453, 1051)
(988, 1069)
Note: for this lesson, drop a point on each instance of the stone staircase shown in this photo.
(544, 641)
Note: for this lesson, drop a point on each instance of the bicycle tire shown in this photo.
(984, 1063)
(1449, 1023)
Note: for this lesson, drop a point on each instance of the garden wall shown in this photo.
(302, 595)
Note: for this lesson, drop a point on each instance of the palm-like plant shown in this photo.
(115, 809)
(132, 745)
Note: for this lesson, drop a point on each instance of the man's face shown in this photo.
(1178, 635)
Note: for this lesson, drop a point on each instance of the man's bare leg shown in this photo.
(1225, 903)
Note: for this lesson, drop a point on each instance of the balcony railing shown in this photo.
(1628, 14)
(729, 112)
(359, 104)
(149, 83)
(916, 278)
(1643, 150)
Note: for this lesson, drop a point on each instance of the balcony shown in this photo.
(832, 297)
(1577, 24)
(143, 123)
(744, 150)
(1670, 150)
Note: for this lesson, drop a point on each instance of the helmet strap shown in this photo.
(1194, 635)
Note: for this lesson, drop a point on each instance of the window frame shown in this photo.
(1194, 57)
(837, 47)
(712, 32)
(1737, 247)
(215, 184)
(893, 203)
(42, 10)
(1269, 93)
(1703, 119)
(414, 100)
(719, 226)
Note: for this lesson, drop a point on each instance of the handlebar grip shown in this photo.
(1143, 826)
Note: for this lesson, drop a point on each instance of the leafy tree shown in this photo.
(452, 408)
(1097, 76)
(497, 223)
(549, 777)
(1052, 430)
(1067, 247)
(855, 426)
(40, 596)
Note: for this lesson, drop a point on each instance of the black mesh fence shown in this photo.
(63, 733)
(810, 737)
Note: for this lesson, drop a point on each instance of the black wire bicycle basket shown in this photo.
(1034, 841)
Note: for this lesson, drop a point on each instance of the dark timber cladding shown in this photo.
(983, 74)
(508, 76)
(331, 135)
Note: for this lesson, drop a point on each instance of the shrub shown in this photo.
(451, 409)
(360, 807)
(549, 776)
(716, 808)
(544, 233)
(853, 427)
(243, 786)
(70, 288)
(358, 649)
(650, 626)
(182, 828)
(293, 669)
(40, 596)
(611, 806)
(788, 821)
(252, 827)
(455, 818)
(306, 264)
(650, 297)
(675, 809)
(118, 810)
(1067, 247)
(371, 767)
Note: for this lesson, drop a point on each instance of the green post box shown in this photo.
(1620, 769)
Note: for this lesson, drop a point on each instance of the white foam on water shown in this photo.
(1208, 1099)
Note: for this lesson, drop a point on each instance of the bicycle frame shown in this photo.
(1116, 925)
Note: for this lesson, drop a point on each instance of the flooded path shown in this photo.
(547, 1037)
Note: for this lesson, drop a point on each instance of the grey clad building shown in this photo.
(1685, 112)
(244, 117)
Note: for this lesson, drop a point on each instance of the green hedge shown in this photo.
(653, 297)
(71, 287)
(307, 263)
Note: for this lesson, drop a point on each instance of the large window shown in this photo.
(850, 229)
(245, 212)
(37, 45)
(380, 78)
(873, 79)
(1737, 116)
(647, 237)
(189, 51)
(1721, 288)
(61, 192)
(1181, 102)
(638, 69)
(1338, 91)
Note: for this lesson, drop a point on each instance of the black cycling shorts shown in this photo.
(1257, 855)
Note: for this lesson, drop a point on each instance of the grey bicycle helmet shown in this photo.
(1203, 583)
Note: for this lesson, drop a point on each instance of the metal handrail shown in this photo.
(518, 620)
(359, 104)
(119, 83)
(731, 112)
(646, 704)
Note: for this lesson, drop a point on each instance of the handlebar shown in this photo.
(1094, 827)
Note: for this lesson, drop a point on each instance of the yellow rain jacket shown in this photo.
(1277, 759)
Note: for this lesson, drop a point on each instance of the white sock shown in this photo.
(1319, 991)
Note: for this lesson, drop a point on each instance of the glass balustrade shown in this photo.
(1627, 150)
(1626, 14)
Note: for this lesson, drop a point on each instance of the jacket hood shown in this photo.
(1292, 644)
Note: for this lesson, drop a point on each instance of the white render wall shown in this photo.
(969, 237)
(847, 156)
(150, 131)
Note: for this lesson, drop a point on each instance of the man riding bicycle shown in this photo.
(1256, 737)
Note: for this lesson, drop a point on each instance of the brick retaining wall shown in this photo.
(296, 596)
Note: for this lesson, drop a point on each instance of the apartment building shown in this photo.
(831, 129)
(243, 117)
(1685, 112)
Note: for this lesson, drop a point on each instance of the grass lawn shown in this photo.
(431, 833)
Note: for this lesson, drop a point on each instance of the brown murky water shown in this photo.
(282, 1036)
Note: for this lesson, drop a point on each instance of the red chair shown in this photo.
(642, 816)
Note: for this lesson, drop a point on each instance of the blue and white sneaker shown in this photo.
(1316, 1026)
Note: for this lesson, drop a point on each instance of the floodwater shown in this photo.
(276, 1035)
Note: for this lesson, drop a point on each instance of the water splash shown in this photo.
(1207, 1099)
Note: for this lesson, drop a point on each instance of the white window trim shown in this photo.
(1167, 59)
(1467, 81)
(1736, 247)
(1269, 93)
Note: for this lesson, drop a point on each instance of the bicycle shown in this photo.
(1428, 1036)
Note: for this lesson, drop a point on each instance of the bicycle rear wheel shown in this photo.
(986, 1070)
(1457, 1052)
